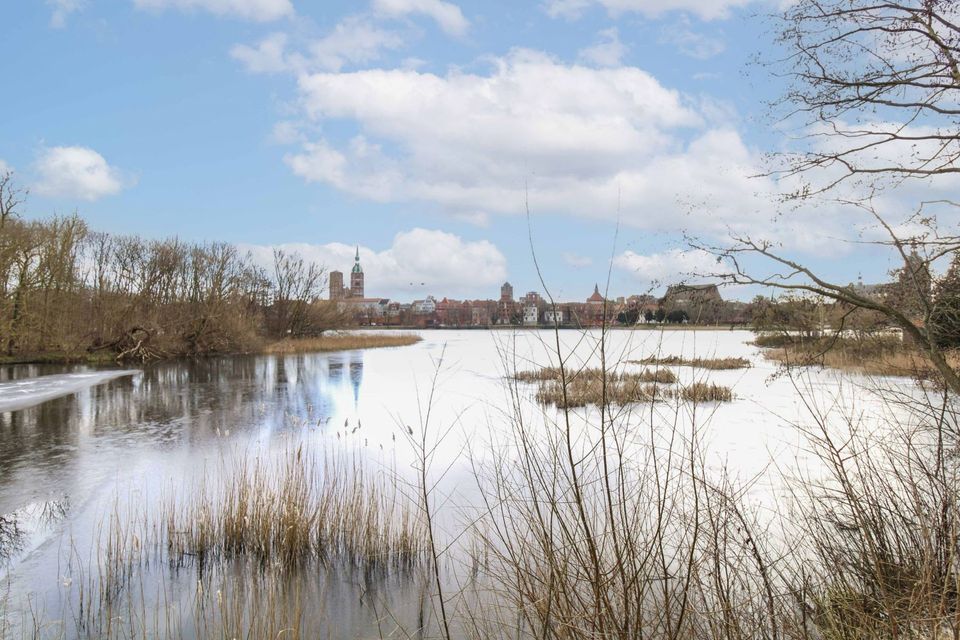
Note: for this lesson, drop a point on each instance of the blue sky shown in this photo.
(417, 129)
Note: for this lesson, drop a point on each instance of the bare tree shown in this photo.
(876, 86)
(297, 284)
(11, 197)
(874, 90)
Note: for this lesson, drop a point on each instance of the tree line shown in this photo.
(68, 292)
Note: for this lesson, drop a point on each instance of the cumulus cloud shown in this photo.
(667, 267)
(690, 42)
(606, 53)
(75, 172)
(446, 14)
(267, 56)
(354, 40)
(62, 10)
(418, 262)
(255, 10)
(570, 136)
(704, 9)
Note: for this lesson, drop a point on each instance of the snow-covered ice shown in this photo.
(20, 394)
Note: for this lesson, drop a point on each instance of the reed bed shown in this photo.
(659, 376)
(342, 342)
(715, 364)
(881, 355)
(706, 392)
(231, 554)
(588, 386)
(553, 374)
(584, 391)
(331, 510)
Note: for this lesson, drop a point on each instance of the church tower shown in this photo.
(356, 277)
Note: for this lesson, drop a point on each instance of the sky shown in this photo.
(457, 143)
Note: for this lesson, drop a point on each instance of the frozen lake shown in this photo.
(75, 441)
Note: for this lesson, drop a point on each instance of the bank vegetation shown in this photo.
(70, 293)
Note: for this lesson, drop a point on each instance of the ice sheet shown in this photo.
(20, 394)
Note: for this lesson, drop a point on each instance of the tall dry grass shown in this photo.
(231, 553)
(342, 342)
(614, 525)
(608, 525)
(594, 386)
(718, 364)
(303, 507)
(875, 355)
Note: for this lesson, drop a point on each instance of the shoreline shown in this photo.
(307, 345)
(326, 344)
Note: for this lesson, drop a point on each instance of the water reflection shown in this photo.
(70, 444)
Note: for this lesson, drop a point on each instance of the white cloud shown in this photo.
(319, 162)
(354, 40)
(691, 43)
(606, 53)
(668, 267)
(572, 137)
(577, 261)
(4, 167)
(418, 262)
(704, 9)
(75, 172)
(268, 56)
(255, 10)
(446, 14)
(62, 10)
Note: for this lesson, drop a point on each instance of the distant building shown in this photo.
(595, 297)
(336, 285)
(531, 315)
(480, 316)
(424, 307)
(532, 297)
(553, 316)
(356, 278)
(506, 306)
(366, 310)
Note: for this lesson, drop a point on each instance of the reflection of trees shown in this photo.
(10, 536)
(174, 403)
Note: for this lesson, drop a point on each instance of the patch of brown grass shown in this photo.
(716, 364)
(287, 512)
(660, 376)
(548, 374)
(872, 355)
(582, 391)
(706, 392)
(591, 387)
(342, 342)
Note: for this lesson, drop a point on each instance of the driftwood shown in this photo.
(133, 345)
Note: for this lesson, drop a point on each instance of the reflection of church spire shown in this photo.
(356, 377)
